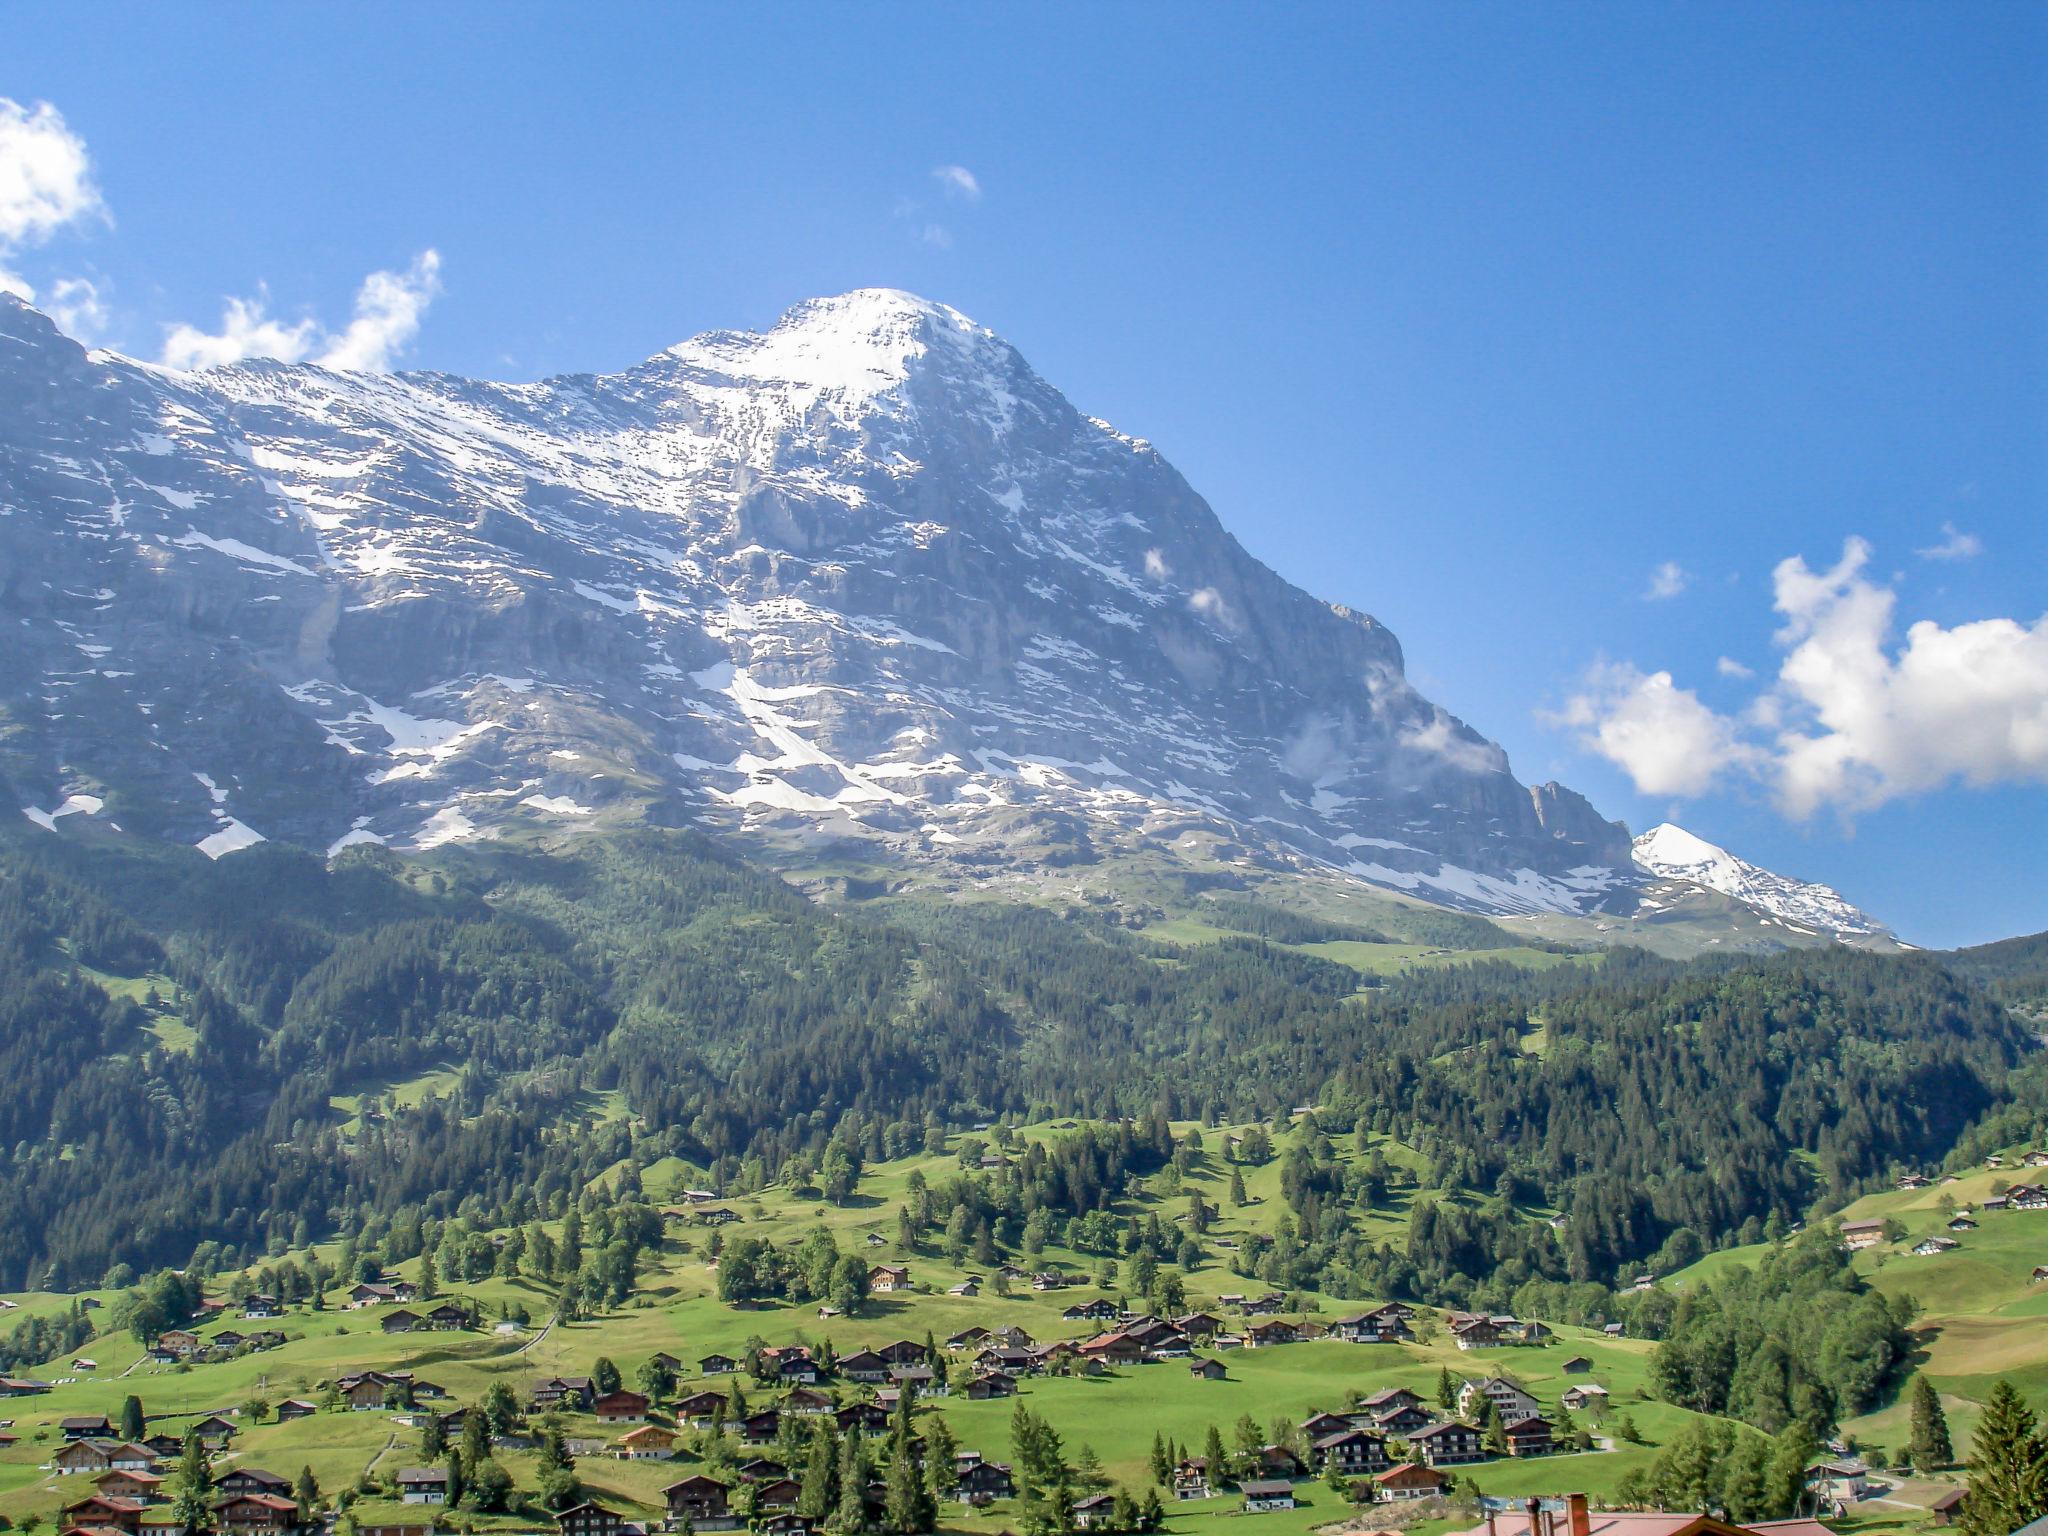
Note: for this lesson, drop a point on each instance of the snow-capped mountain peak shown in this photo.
(1672, 853)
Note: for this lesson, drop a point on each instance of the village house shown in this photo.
(120, 1483)
(1093, 1510)
(1589, 1394)
(422, 1485)
(1279, 1331)
(1404, 1422)
(700, 1502)
(1448, 1443)
(1839, 1483)
(1408, 1481)
(98, 1511)
(700, 1410)
(554, 1392)
(885, 1278)
(967, 1337)
(1528, 1436)
(588, 1519)
(1578, 1365)
(776, 1494)
(806, 1401)
(983, 1482)
(1261, 1494)
(78, 1457)
(296, 1408)
(1857, 1235)
(256, 1514)
(404, 1320)
(1208, 1370)
(1191, 1478)
(865, 1366)
(1352, 1452)
(22, 1386)
(650, 1442)
(621, 1407)
(1388, 1400)
(1506, 1396)
(1469, 1332)
(2026, 1197)
(1100, 1310)
(1928, 1246)
(251, 1480)
(716, 1365)
(1381, 1325)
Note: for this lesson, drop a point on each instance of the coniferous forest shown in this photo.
(176, 1032)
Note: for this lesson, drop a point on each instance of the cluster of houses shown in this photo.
(130, 1484)
(176, 1346)
(764, 1494)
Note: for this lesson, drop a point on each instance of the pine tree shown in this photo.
(1162, 1463)
(1151, 1513)
(2008, 1468)
(1493, 1434)
(476, 1442)
(850, 1514)
(308, 1495)
(430, 1279)
(1446, 1390)
(193, 1506)
(906, 1508)
(817, 1495)
(941, 1461)
(1930, 1448)
(1215, 1461)
(433, 1438)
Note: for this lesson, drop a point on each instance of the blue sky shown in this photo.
(1474, 318)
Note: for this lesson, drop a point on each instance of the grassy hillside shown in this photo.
(1981, 1317)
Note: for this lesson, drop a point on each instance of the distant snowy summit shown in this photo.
(1672, 853)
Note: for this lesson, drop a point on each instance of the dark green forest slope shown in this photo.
(177, 1034)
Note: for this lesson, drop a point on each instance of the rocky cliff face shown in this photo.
(863, 575)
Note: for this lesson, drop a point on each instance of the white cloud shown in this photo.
(1155, 565)
(1852, 719)
(1954, 545)
(1667, 581)
(388, 311)
(245, 331)
(77, 307)
(45, 183)
(1661, 735)
(1728, 666)
(1444, 740)
(958, 182)
(936, 235)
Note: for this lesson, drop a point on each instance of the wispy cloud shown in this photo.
(958, 181)
(1728, 666)
(46, 184)
(1666, 581)
(1954, 545)
(1852, 719)
(389, 308)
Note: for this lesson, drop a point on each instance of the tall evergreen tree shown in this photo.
(2008, 1484)
(1930, 1448)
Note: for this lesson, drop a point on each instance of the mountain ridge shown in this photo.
(862, 576)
